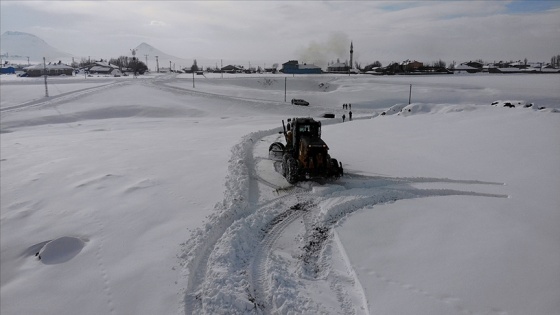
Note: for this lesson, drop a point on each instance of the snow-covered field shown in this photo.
(149, 196)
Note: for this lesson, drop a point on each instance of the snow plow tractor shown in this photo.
(305, 155)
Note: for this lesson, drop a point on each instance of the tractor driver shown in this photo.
(289, 137)
(304, 129)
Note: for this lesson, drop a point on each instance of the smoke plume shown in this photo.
(336, 46)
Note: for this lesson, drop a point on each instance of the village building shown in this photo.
(413, 65)
(343, 67)
(8, 70)
(104, 68)
(338, 67)
(169, 70)
(272, 69)
(232, 69)
(466, 68)
(293, 67)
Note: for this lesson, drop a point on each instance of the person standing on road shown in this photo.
(343, 117)
(350, 116)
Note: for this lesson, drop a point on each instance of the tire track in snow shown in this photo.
(101, 265)
(162, 86)
(386, 190)
(257, 270)
(232, 267)
(234, 207)
(65, 97)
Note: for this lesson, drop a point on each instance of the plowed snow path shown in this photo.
(272, 248)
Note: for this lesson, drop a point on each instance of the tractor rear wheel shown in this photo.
(285, 164)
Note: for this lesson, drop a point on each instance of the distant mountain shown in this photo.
(19, 45)
(163, 59)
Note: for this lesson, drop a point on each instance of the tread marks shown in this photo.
(260, 282)
(248, 229)
(236, 206)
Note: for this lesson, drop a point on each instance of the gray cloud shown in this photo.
(277, 31)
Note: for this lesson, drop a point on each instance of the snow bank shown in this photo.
(451, 207)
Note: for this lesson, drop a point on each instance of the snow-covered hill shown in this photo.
(148, 196)
(20, 45)
(145, 49)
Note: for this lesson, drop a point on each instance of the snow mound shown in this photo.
(423, 108)
(434, 109)
(395, 109)
(522, 104)
(512, 103)
(60, 250)
(427, 108)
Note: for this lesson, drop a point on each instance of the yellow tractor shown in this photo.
(305, 155)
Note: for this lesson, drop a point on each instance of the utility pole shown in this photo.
(147, 61)
(409, 94)
(157, 64)
(135, 61)
(45, 69)
(30, 64)
(221, 67)
(285, 85)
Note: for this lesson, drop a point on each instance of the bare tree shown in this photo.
(121, 62)
(440, 64)
(83, 63)
(369, 67)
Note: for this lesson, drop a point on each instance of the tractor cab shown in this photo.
(303, 128)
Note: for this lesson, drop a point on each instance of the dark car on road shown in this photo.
(296, 101)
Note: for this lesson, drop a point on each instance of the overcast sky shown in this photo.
(309, 31)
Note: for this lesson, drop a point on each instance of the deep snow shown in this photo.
(146, 196)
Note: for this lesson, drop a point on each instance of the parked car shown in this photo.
(296, 101)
